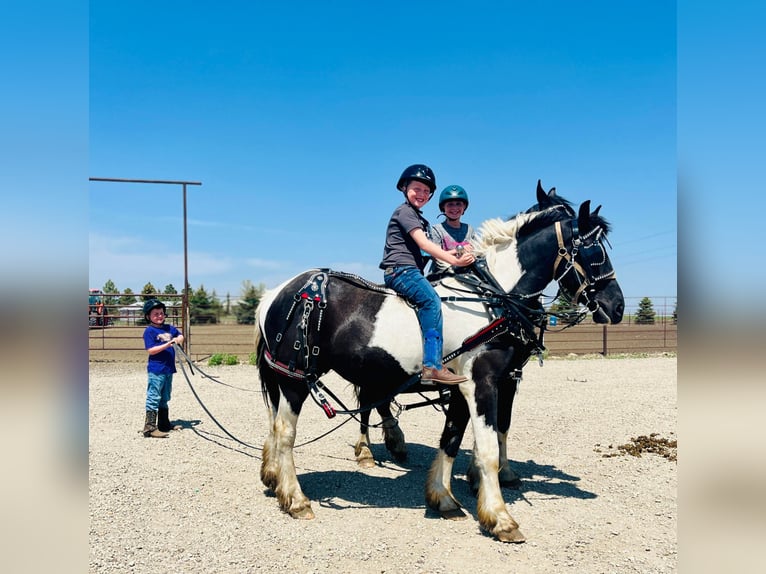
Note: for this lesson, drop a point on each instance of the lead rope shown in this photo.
(199, 400)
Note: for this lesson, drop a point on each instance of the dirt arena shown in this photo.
(594, 498)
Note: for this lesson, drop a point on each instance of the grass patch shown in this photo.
(222, 359)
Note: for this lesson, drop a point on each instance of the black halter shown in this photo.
(587, 259)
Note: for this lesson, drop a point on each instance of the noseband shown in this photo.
(591, 270)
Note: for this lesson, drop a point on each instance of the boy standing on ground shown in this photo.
(158, 341)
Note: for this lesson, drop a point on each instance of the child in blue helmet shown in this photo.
(403, 263)
(451, 233)
(158, 341)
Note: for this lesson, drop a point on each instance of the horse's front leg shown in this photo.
(438, 486)
(278, 466)
(482, 404)
(507, 476)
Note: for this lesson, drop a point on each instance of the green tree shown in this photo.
(675, 313)
(645, 313)
(148, 292)
(127, 298)
(170, 290)
(110, 288)
(201, 308)
(251, 296)
(216, 306)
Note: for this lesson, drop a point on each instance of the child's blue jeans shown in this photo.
(158, 391)
(409, 281)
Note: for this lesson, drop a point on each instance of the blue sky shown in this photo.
(299, 117)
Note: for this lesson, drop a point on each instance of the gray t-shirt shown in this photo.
(448, 238)
(400, 248)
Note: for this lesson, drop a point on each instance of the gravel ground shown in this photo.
(193, 502)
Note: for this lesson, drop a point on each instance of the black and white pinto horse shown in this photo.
(322, 320)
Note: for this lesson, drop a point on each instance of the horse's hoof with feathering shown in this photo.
(364, 458)
(453, 514)
(515, 536)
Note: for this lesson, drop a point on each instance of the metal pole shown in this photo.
(187, 321)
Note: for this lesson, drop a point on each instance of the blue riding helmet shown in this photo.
(452, 193)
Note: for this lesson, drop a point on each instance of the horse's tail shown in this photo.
(258, 339)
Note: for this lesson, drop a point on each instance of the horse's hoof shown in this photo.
(514, 483)
(508, 478)
(303, 514)
(364, 458)
(453, 514)
(365, 462)
(515, 536)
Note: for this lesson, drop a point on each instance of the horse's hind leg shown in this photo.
(362, 450)
(392, 434)
(278, 466)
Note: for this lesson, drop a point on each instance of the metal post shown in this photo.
(604, 348)
(185, 299)
(185, 320)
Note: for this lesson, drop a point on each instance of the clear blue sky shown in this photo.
(299, 117)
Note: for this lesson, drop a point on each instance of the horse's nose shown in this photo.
(619, 309)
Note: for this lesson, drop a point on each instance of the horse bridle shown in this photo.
(592, 269)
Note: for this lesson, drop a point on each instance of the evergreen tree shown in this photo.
(148, 292)
(675, 313)
(201, 308)
(170, 290)
(215, 306)
(127, 298)
(645, 313)
(110, 288)
(251, 296)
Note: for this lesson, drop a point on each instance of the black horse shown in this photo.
(323, 320)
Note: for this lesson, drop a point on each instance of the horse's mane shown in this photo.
(497, 231)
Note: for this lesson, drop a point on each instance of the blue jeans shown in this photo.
(409, 282)
(158, 391)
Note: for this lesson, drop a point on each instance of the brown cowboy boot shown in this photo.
(163, 421)
(150, 426)
(442, 375)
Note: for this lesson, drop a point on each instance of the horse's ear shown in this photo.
(594, 213)
(552, 193)
(583, 217)
(541, 197)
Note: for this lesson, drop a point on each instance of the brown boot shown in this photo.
(442, 375)
(150, 426)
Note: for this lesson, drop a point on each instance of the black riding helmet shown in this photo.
(419, 172)
(153, 304)
(452, 193)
